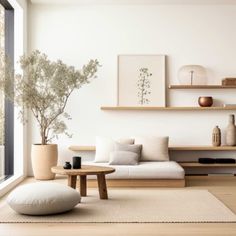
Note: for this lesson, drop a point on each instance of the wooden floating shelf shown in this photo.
(173, 148)
(122, 108)
(82, 148)
(202, 148)
(196, 164)
(201, 87)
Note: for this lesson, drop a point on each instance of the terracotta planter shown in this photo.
(43, 157)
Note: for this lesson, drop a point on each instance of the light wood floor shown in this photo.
(224, 188)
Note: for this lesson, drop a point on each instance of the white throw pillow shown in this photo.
(106, 145)
(153, 148)
(43, 199)
(123, 158)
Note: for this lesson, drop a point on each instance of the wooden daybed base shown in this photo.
(173, 183)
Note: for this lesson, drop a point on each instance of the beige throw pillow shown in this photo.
(123, 158)
(153, 148)
(129, 148)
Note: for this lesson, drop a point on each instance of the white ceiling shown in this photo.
(135, 2)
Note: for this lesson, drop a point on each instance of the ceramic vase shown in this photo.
(67, 165)
(43, 158)
(216, 137)
(231, 132)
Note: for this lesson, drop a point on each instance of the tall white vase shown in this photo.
(43, 158)
(231, 132)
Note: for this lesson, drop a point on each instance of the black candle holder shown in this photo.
(76, 162)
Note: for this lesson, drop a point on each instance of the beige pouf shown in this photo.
(43, 199)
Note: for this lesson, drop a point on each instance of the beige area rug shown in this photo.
(136, 206)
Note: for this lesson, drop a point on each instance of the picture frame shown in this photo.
(141, 80)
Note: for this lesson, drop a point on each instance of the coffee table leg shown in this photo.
(72, 181)
(83, 185)
(102, 186)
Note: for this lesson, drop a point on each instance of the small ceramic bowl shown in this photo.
(205, 101)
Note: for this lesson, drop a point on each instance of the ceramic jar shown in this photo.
(67, 165)
(231, 131)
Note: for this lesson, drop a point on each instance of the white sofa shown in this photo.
(154, 166)
(167, 170)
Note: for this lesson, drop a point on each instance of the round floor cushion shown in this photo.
(43, 199)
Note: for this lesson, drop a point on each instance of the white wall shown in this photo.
(188, 34)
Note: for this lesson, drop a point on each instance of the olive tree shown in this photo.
(44, 88)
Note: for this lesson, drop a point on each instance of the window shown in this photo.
(6, 107)
(2, 99)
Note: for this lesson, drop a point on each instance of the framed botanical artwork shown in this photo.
(141, 80)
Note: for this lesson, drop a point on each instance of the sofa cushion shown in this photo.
(105, 145)
(123, 158)
(157, 170)
(145, 170)
(121, 171)
(153, 148)
(43, 199)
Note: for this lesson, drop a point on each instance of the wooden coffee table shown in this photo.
(85, 170)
